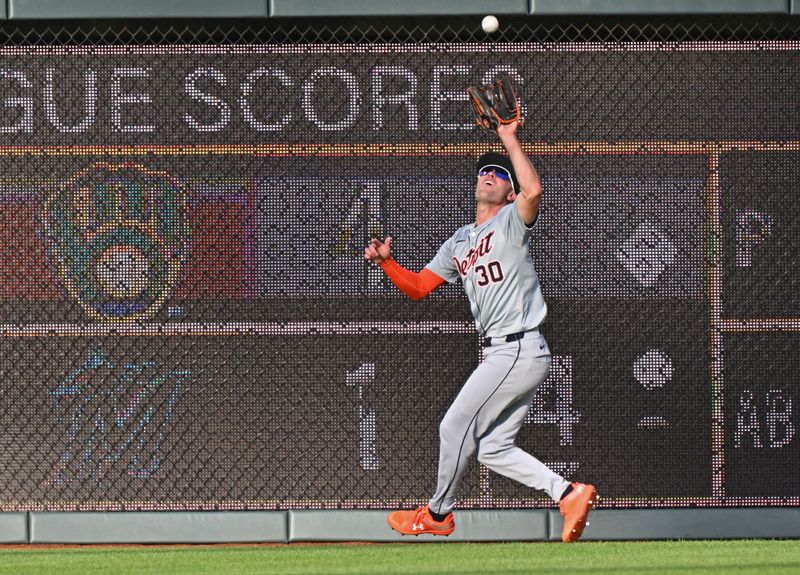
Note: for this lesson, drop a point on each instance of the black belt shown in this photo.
(487, 341)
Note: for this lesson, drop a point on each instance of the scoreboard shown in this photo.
(188, 322)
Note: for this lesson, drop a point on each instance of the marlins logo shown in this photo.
(119, 234)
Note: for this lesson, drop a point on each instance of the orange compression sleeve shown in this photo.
(414, 285)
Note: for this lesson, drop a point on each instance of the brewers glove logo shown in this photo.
(119, 234)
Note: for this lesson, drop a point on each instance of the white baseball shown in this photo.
(490, 24)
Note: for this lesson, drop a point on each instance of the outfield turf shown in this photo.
(673, 557)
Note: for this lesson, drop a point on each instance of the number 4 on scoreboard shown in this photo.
(553, 402)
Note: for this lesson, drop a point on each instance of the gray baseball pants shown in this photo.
(486, 416)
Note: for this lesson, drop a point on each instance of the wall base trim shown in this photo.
(153, 527)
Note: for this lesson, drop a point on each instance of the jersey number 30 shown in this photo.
(492, 272)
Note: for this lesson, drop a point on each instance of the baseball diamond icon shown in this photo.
(119, 236)
(646, 254)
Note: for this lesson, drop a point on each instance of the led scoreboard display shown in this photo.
(188, 321)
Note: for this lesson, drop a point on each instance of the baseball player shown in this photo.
(492, 259)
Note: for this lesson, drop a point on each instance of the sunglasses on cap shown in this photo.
(499, 172)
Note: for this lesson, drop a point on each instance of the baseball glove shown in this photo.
(495, 104)
(119, 236)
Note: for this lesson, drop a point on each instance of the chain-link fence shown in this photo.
(188, 322)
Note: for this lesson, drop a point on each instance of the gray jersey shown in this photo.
(494, 263)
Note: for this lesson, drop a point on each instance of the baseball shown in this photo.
(490, 24)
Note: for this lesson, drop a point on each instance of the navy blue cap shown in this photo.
(495, 160)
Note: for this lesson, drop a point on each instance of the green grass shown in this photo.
(760, 557)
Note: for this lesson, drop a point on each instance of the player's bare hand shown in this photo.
(508, 130)
(378, 251)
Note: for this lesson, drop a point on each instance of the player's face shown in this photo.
(494, 186)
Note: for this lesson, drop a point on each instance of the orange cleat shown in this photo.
(575, 508)
(420, 521)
